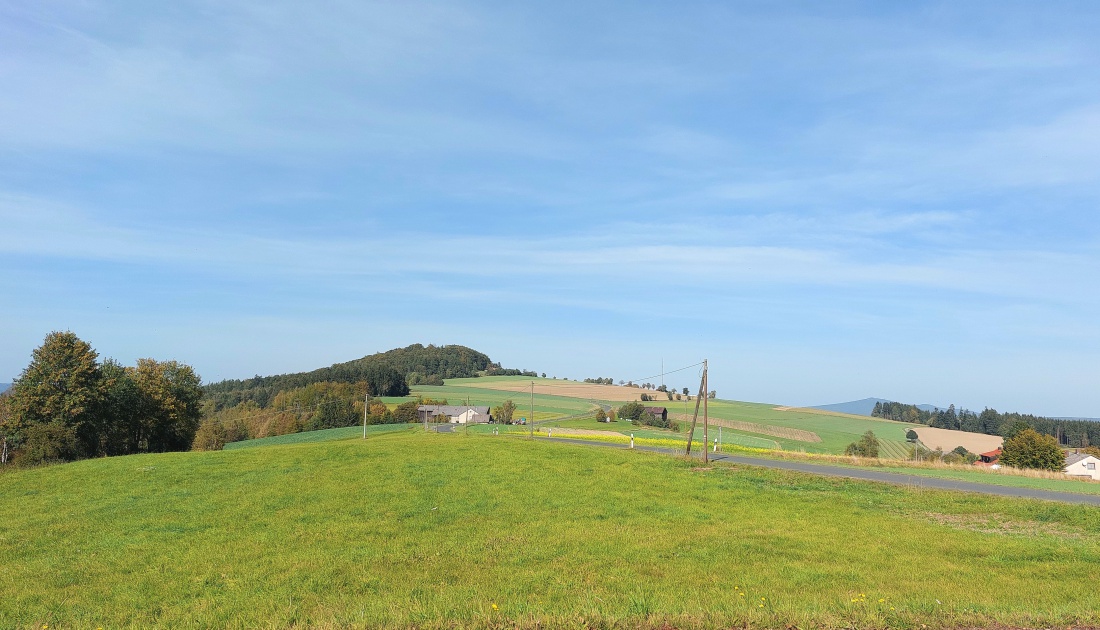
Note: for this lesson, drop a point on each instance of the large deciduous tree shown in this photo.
(1029, 449)
(171, 392)
(65, 405)
(61, 387)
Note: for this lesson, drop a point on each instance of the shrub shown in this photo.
(48, 442)
(210, 436)
(867, 446)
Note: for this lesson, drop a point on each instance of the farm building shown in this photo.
(658, 412)
(988, 458)
(1082, 465)
(458, 414)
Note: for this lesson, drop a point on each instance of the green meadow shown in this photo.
(415, 529)
(835, 430)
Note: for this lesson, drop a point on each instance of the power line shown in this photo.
(686, 367)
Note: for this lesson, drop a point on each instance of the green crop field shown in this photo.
(418, 529)
(835, 430)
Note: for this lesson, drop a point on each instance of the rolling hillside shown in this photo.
(748, 424)
(412, 529)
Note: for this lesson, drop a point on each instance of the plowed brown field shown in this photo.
(947, 440)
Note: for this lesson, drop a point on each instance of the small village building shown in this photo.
(1082, 465)
(660, 413)
(456, 414)
(989, 458)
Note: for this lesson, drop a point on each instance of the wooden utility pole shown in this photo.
(695, 416)
(366, 408)
(706, 417)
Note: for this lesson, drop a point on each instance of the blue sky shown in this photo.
(826, 200)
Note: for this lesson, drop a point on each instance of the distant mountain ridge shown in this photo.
(863, 407)
(4, 387)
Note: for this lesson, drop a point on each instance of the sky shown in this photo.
(828, 201)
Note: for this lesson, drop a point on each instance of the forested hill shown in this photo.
(389, 374)
(1069, 432)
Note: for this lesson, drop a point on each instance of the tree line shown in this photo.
(1073, 433)
(313, 407)
(389, 373)
(68, 405)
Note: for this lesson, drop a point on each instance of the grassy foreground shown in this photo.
(414, 529)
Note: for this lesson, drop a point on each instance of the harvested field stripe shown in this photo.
(786, 433)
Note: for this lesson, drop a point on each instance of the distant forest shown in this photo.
(1075, 433)
(331, 397)
(386, 374)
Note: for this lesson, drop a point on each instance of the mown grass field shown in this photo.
(417, 529)
(322, 435)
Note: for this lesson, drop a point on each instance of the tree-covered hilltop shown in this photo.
(1079, 433)
(387, 374)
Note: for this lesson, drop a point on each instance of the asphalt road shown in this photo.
(898, 479)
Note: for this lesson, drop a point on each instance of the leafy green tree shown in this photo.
(171, 410)
(406, 412)
(210, 436)
(867, 446)
(123, 412)
(911, 435)
(1029, 449)
(631, 411)
(1013, 427)
(503, 413)
(601, 415)
(60, 387)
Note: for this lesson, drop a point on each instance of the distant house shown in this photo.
(1082, 465)
(658, 412)
(457, 414)
(989, 458)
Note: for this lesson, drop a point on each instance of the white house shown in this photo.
(456, 414)
(1083, 465)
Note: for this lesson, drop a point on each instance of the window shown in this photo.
(1090, 465)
